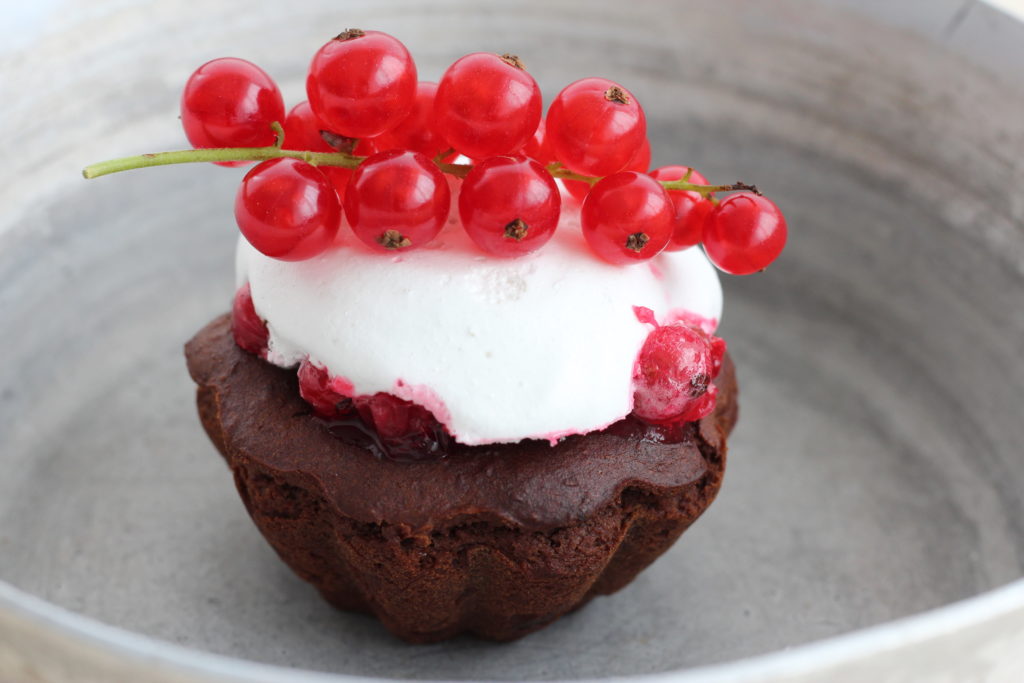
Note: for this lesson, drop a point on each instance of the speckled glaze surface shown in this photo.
(874, 493)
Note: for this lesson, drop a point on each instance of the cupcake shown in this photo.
(451, 395)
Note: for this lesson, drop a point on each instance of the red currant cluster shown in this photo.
(376, 145)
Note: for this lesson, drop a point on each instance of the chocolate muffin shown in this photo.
(495, 540)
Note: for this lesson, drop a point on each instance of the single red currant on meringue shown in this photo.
(596, 127)
(287, 209)
(487, 105)
(627, 218)
(397, 200)
(672, 376)
(230, 102)
(362, 83)
(744, 233)
(509, 206)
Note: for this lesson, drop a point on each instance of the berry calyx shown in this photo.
(595, 127)
(248, 329)
(509, 206)
(287, 209)
(487, 105)
(691, 210)
(673, 373)
(627, 218)
(362, 83)
(230, 102)
(397, 200)
(744, 233)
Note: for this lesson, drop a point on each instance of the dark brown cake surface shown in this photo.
(495, 540)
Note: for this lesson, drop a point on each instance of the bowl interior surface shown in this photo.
(876, 470)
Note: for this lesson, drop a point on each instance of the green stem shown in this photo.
(707, 190)
(191, 156)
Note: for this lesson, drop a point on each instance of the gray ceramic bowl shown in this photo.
(871, 526)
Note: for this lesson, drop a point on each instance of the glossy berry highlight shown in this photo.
(287, 209)
(487, 105)
(509, 206)
(397, 200)
(744, 233)
(627, 218)
(362, 83)
(230, 102)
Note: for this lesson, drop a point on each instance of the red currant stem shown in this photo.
(557, 170)
(189, 156)
(457, 170)
(706, 190)
(278, 134)
(274, 151)
(439, 159)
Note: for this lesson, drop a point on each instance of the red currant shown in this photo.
(627, 218)
(672, 377)
(487, 105)
(744, 233)
(577, 189)
(302, 131)
(509, 206)
(595, 127)
(397, 200)
(416, 131)
(691, 209)
(248, 329)
(406, 429)
(230, 102)
(329, 399)
(360, 84)
(287, 209)
(538, 147)
(641, 161)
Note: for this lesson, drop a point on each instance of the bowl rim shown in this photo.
(144, 652)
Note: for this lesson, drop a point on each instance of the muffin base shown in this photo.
(496, 541)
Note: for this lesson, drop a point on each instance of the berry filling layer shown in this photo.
(496, 350)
